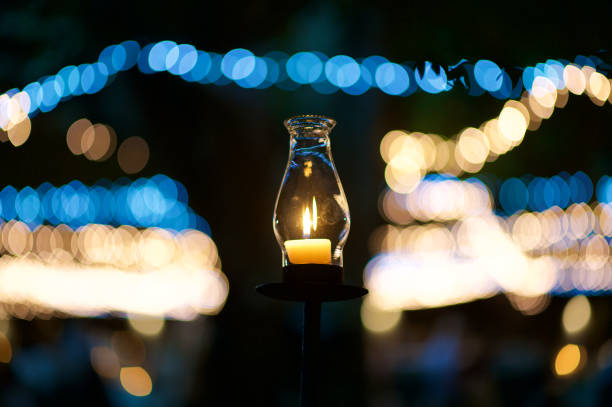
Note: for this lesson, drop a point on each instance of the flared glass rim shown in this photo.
(309, 122)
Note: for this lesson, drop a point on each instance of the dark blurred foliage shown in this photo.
(228, 146)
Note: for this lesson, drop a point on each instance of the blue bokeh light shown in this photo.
(200, 68)
(143, 60)
(158, 55)
(342, 71)
(132, 52)
(27, 205)
(304, 67)
(430, 81)
(581, 187)
(158, 201)
(288, 72)
(513, 195)
(604, 189)
(362, 85)
(237, 63)
(35, 92)
(392, 78)
(71, 78)
(553, 70)
(51, 94)
(488, 75)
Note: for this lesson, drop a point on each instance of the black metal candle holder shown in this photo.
(311, 284)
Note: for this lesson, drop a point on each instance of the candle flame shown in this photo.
(310, 223)
(314, 214)
(307, 223)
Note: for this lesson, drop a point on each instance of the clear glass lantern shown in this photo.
(311, 216)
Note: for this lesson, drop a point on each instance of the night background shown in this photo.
(503, 344)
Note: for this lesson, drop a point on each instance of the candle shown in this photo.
(309, 251)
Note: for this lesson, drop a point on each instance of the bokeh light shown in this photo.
(105, 362)
(576, 314)
(147, 325)
(133, 154)
(136, 381)
(377, 320)
(569, 359)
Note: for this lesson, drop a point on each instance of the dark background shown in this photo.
(227, 145)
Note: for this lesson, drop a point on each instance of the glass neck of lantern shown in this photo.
(309, 141)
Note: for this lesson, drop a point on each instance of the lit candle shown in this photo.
(309, 251)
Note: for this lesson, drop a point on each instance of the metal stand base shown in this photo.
(298, 285)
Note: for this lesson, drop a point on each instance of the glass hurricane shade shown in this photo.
(311, 216)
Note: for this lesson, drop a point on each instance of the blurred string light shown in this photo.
(411, 155)
(453, 248)
(98, 269)
(136, 381)
(546, 84)
(105, 362)
(76, 249)
(97, 142)
(569, 360)
(448, 246)
(469, 249)
(147, 325)
(576, 314)
(158, 201)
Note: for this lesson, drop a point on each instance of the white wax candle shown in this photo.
(309, 251)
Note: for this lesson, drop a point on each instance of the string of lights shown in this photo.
(58, 241)
(98, 269)
(526, 255)
(324, 74)
(158, 201)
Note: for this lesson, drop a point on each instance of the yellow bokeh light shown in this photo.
(594, 252)
(568, 360)
(554, 224)
(527, 231)
(513, 122)
(603, 213)
(136, 381)
(16, 238)
(544, 92)
(576, 314)
(105, 362)
(499, 143)
(146, 325)
(391, 206)
(377, 320)
(428, 147)
(20, 132)
(598, 87)
(581, 220)
(574, 79)
(385, 145)
(403, 174)
(473, 146)
(441, 153)
(98, 268)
